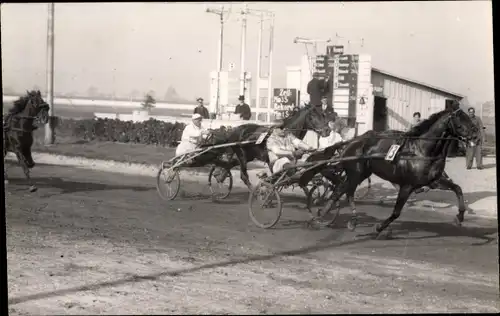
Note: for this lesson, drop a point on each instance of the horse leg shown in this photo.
(403, 195)
(26, 168)
(351, 224)
(5, 180)
(447, 183)
(240, 154)
(226, 166)
(5, 144)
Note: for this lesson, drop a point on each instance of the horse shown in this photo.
(18, 130)
(298, 123)
(419, 161)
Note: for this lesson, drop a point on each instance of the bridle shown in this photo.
(39, 109)
(313, 108)
(451, 124)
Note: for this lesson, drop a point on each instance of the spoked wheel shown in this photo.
(323, 208)
(220, 181)
(264, 205)
(317, 197)
(168, 183)
(363, 192)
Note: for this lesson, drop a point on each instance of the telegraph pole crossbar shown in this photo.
(220, 12)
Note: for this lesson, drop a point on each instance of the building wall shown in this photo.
(404, 98)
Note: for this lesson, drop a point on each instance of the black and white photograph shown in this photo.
(249, 158)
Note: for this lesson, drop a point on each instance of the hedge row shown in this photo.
(150, 132)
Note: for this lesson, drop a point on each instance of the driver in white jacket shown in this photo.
(331, 139)
(192, 136)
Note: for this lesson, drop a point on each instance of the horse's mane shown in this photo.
(292, 116)
(425, 125)
(19, 105)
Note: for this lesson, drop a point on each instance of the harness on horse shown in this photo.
(7, 122)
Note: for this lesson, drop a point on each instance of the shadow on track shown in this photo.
(67, 187)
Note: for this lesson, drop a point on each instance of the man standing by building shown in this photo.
(201, 109)
(243, 109)
(474, 150)
(317, 88)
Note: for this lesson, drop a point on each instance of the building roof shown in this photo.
(417, 82)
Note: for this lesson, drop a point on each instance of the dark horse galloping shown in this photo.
(419, 162)
(18, 130)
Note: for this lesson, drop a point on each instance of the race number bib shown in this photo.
(392, 152)
(261, 138)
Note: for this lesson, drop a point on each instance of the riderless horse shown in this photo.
(18, 130)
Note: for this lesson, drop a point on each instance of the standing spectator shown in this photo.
(327, 109)
(417, 118)
(317, 88)
(474, 150)
(201, 109)
(243, 109)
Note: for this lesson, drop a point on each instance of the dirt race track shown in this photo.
(92, 242)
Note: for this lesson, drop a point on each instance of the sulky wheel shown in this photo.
(168, 183)
(324, 209)
(264, 205)
(317, 197)
(364, 191)
(220, 181)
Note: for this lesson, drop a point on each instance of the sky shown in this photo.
(122, 47)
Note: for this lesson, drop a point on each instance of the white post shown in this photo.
(270, 76)
(259, 56)
(243, 48)
(49, 132)
(219, 61)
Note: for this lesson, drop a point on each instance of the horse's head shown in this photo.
(317, 121)
(35, 107)
(307, 118)
(452, 121)
(461, 126)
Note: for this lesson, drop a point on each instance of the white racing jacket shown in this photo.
(191, 138)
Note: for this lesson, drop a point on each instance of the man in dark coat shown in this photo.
(201, 109)
(243, 109)
(328, 109)
(474, 150)
(317, 88)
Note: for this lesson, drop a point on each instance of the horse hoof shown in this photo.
(33, 189)
(312, 224)
(457, 222)
(351, 225)
(376, 228)
(384, 235)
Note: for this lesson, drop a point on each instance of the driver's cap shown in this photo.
(196, 116)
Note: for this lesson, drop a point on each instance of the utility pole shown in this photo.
(220, 13)
(244, 13)
(259, 58)
(270, 16)
(270, 76)
(49, 127)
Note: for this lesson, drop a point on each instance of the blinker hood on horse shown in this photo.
(18, 127)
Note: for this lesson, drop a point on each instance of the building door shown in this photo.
(380, 113)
